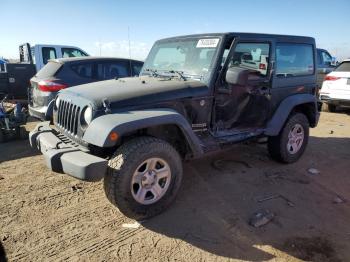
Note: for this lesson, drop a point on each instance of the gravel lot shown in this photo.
(46, 216)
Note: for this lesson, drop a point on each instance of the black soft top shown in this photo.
(278, 38)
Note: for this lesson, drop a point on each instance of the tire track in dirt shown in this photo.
(104, 244)
(62, 231)
(83, 216)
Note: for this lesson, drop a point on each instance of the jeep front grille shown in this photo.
(68, 116)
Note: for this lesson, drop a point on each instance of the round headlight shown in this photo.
(57, 102)
(88, 115)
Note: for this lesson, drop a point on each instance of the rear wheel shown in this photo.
(143, 177)
(292, 140)
(329, 107)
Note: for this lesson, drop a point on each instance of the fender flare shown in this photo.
(49, 110)
(280, 116)
(122, 123)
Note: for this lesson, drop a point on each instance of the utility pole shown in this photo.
(129, 51)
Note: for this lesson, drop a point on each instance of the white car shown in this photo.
(335, 91)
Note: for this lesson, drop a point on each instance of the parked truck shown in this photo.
(325, 64)
(14, 77)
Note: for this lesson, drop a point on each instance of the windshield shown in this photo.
(190, 58)
(72, 52)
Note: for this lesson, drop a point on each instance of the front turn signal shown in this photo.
(113, 136)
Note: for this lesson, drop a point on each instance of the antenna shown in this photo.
(99, 45)
(129, 52)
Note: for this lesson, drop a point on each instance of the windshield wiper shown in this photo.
(199, 77)
(153, 72)
(179, 73)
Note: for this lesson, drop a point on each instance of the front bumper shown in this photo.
(336, 98)
(64, 157)
(38, 112)
(335, 101)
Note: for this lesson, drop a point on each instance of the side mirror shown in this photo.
(334, 61)
(237, 76)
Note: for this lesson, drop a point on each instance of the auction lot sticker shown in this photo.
(208, 43)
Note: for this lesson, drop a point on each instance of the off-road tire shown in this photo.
(121, 167)
(329, 108)
(277, 145)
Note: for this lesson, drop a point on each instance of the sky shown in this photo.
(102, 26)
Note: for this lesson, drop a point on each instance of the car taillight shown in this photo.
(49, 86)
(262, 66)
(331, 78)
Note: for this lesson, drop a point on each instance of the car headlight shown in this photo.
(57, 102)
(88, 115)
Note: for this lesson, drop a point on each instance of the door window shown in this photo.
(253, 56)
(245, 106)
(112, 70)
(48, 53)
(327, 59)
(294, 60)
(72, 52)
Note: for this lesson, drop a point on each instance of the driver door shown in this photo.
(245, 107)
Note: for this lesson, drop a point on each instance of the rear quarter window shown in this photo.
(84, 70)
(294, 60)
(49, 70)
(113, 69)
(343, 67)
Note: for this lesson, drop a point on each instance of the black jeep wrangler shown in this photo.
(196, 94)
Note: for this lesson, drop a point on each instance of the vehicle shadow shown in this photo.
(220, 194)
(2, 253)
(16, 149)
(31, 119)
(344, 111)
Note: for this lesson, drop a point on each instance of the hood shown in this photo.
(132, 91)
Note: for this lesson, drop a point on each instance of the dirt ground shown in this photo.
(48, 217)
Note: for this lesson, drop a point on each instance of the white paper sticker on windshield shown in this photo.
(208, 42)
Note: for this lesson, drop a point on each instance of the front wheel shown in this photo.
(292, 140)
(143, 177)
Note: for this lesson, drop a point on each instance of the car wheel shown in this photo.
(292, 140)
(329, 108)
(143, 177)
